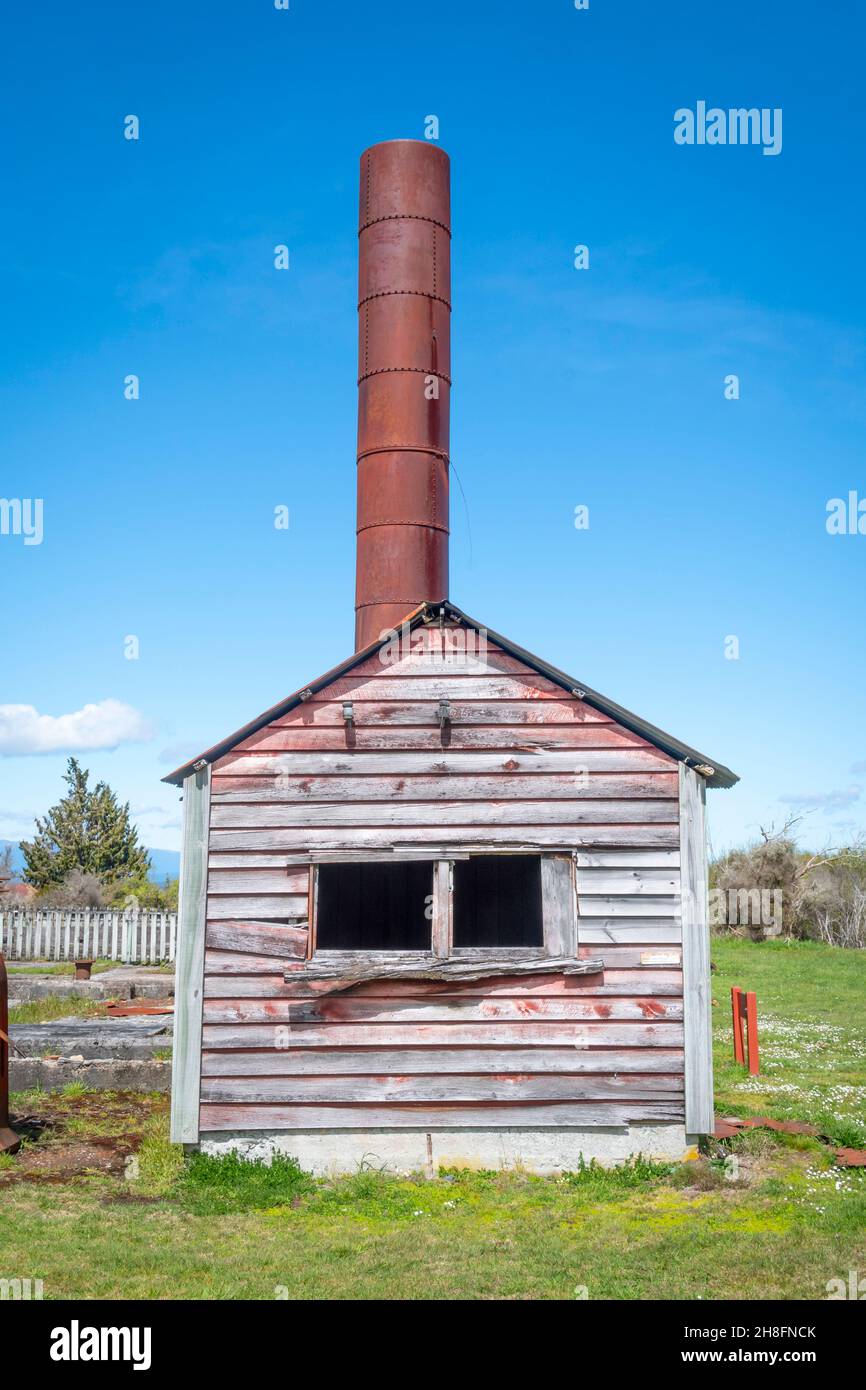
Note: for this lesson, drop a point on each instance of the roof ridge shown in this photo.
(716, 774)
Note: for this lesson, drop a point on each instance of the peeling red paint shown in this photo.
(651, 1008)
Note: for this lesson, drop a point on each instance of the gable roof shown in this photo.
(716, 776)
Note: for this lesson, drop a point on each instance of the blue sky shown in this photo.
(602, 387)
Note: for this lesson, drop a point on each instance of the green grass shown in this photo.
(215, 1186)
(46, 1010)
(779, 1224)
(812, 1034)
(60, 968)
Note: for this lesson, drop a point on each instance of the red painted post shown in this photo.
(736, 1010)
(752, 1031)
(9, 1141)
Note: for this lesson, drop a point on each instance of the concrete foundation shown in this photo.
(126, 982)
(406, 1151)
(92, 1039)
(117, 1074)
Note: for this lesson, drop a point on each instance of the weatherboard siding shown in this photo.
(521, 764)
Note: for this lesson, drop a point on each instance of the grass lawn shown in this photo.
(56, 1006)
(812, 1034)
(137, 1223)
(59, 967)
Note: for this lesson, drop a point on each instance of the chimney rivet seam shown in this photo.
(425, 371)
(425, 294)
(405, 449)
(403, 217)
(401, 521)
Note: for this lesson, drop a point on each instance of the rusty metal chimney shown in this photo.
(404, 380)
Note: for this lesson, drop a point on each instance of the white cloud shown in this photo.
(104, 725)
(825, 801)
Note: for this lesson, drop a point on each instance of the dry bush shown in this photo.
(823, 895)
(78, 889)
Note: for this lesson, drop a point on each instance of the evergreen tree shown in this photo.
(86, 830)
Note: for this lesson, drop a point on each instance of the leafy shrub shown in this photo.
(214, 1184)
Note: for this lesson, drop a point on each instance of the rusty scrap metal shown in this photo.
(744, 1006)
(850, 1158)
(9, 1141)
(117, 1008)
(727, 1126)
(404, 383)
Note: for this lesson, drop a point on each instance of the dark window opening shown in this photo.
(374, 907)
(497, 901)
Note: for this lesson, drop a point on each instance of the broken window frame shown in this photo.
(559, 910)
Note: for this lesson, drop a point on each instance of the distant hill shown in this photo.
(164, 863)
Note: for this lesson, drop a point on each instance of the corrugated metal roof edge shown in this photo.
(721, 776)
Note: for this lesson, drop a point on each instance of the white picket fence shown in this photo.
(135, 938)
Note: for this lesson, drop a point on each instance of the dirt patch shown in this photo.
(58, 1161)
(56, 1109)
(72, 1136)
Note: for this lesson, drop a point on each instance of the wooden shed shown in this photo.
(446, 904)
